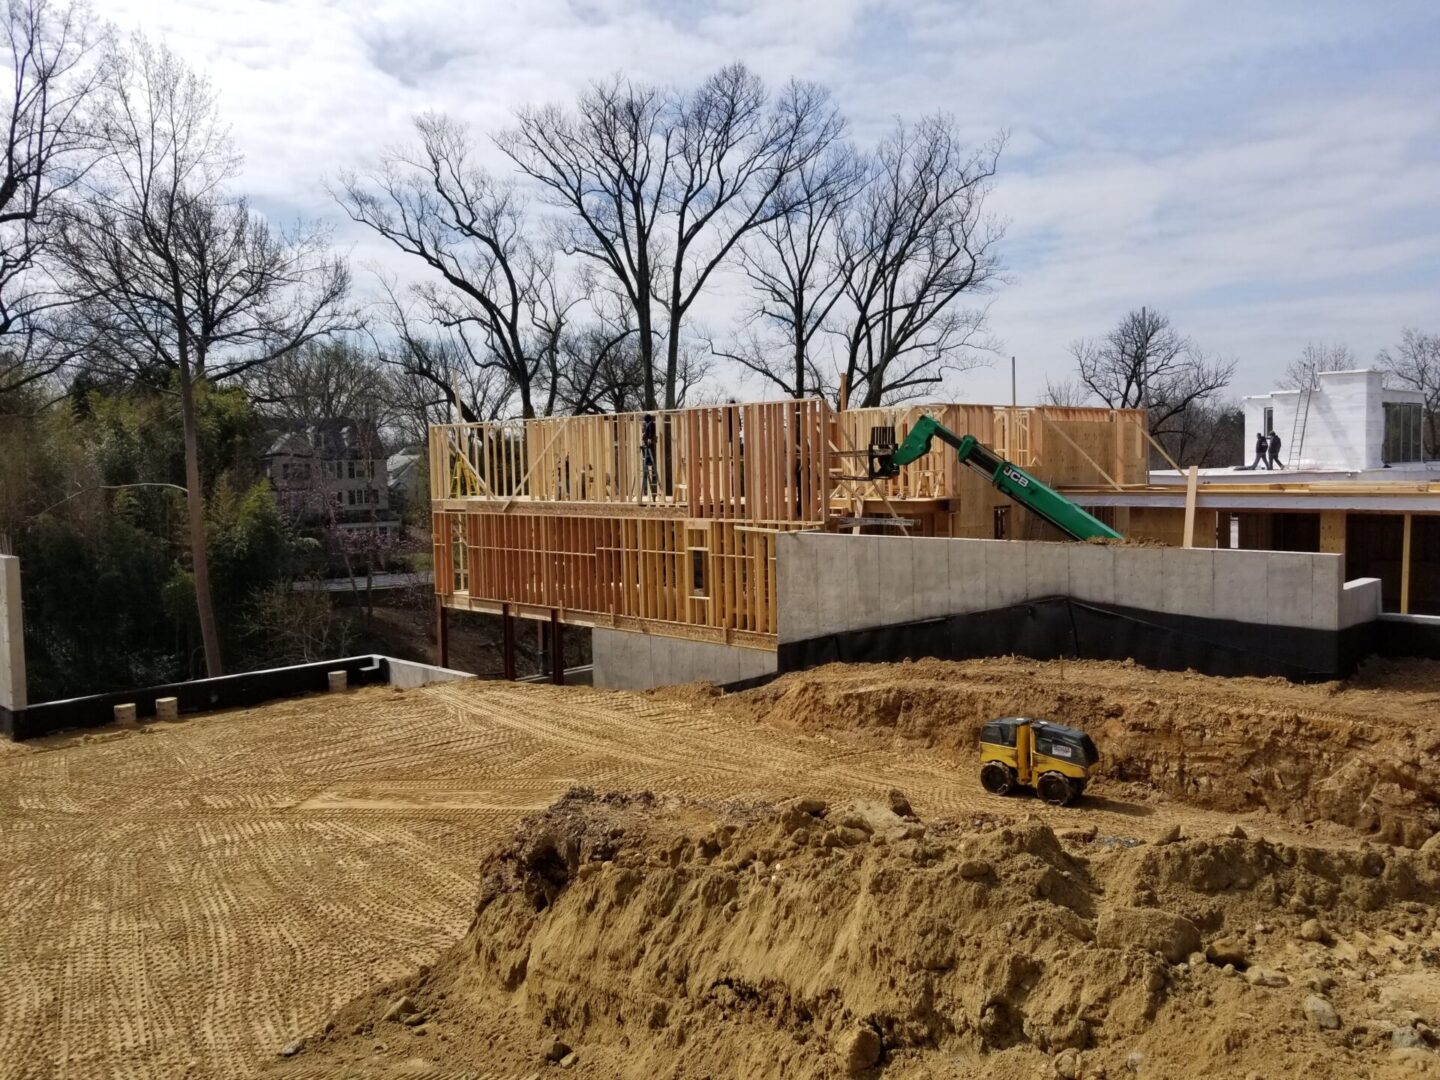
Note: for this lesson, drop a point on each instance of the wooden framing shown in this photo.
(1192, 480)
(1405, 567)
(551, 518)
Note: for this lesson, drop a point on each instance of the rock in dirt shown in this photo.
(1169, 836)
(1135, 1060)
(1067, 1065)
(570, 1060)
(1228, 950)
(1172, 936)
(974, 869)
(1321, 1013)
(1258, 976)
(1312, 930)
(1405, 1036)
(860, 1049)
(900, 804)
(292, 1048)
(554, 1049)
(813, 807)
(399, 1008)
(1235, 832)
(1082, 835)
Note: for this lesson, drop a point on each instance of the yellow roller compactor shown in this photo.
(1053, 759)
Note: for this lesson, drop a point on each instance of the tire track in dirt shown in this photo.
(186, 900)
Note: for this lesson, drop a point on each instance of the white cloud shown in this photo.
(1265, 173)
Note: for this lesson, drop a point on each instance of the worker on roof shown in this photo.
(1262, 450)
(1275, 452)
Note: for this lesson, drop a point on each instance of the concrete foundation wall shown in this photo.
(407, 674)
(12, 636)
(624, 660)
(830, 583)
(1360, 602)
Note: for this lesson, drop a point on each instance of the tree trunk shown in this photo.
(195, 504)
(797, 315)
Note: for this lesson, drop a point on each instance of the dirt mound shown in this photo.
(630, 936)
(1364, 754)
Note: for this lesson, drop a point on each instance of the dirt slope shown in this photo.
(1363, 753)
(662, 937)
(185, 900)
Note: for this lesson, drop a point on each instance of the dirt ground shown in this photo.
(190, 899)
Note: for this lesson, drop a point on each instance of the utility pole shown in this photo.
(1013, 401)
(1144, 345)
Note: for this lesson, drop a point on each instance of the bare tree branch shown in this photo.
(912, 247)
(181, 281)
(49, 148)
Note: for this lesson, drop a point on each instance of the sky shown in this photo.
(1266, 172)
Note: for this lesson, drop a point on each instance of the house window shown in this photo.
(1402, 432)
(1269, 423)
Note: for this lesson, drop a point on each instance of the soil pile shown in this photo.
(629, 936)
(1364, 754)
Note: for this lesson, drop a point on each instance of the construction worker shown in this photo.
(1275, 452)
(649, 476)
(1262, 449)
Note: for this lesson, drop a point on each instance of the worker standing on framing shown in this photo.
(649, 476)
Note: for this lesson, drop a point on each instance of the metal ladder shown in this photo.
(1297, 429)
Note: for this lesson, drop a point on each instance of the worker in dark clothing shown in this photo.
(1275, 461)
(1262, 448)
(649, 476)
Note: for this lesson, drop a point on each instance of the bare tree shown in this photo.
(660, 186)
(1066, 392)
(435, 375)
(1303, 373)
(1415, 364)
(496, 290)
(183, 282)
(1144, 363)
(796, 282)
(48, 148)
(913, 247)
(1208, 434)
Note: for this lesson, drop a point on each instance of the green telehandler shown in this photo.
(886, 460)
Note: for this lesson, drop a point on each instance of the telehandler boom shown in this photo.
(886, 459)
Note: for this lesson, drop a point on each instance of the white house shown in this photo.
(1350, 422)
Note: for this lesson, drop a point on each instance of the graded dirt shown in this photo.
(663, 937)
(189, 899)
(1362, 753)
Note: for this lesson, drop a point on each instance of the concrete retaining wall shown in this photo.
(12, 637)
(832, 583)
(624, 660)
(407, 674)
